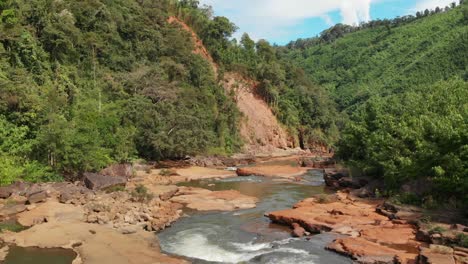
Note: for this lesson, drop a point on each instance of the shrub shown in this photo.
(141, 194)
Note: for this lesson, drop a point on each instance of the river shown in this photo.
(247, 236)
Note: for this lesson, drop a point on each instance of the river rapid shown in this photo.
(247, 236)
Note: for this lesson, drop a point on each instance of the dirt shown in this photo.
(261, 131)
(259, 128)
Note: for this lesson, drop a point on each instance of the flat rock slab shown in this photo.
(199, 173)
(374, 237)
(206, 200)
(164, 192)
(272, 171)
(434, 256)
(96, 181)
(11, 210)
(97, 244)
(51, 211)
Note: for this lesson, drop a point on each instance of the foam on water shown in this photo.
(194, 243)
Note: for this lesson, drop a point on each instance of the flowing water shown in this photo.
(247, 236)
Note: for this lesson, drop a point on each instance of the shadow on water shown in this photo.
(246, 236)
(34, 255)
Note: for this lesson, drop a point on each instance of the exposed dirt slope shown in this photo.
(260, 130)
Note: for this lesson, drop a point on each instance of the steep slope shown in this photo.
(259, 128)
(387, 59)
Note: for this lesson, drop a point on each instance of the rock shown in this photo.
(127, 230)
(11, 210)
(298, 231)
(3, 252)
(118, 170)
(362, 193)
(423, 236)
(307, 162)
(348, 182)
(65, 197)
(374, 237)
(5, 192)
(272, 171)
(96, 181)
(436, 255)
(206, 200)
(364, 251)
(37, 197)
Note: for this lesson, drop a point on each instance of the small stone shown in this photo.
(31, 207)
(127, 230)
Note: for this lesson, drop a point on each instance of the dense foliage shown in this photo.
(87, 83)
(303, 107)
(403, 87)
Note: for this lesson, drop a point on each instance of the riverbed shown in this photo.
(247, 236)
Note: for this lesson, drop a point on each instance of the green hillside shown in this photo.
(402, 86)
(87, 83)
(84, 84)
(387, 59)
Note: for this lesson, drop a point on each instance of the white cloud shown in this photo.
(276, 18)
(431, 4)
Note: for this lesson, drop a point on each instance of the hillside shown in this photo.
(259, 128)
(89, 83)
(402, 87)
(387, 59)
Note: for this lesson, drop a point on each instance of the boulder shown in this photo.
(37, 197)
(118, 170)
(5, 192)
(11, 210)
(96, 181)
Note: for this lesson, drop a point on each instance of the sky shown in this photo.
(280, 21)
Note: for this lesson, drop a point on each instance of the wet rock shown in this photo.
(37, 197)
(96, 181)
(298, 230)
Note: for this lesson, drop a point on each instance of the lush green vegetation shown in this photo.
(402, 86)
(87, 83)
(302, 106)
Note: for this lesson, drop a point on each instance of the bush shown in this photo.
(462, 240)
(437, 230)
(141, 194)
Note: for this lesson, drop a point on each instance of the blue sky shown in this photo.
(280, 21)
